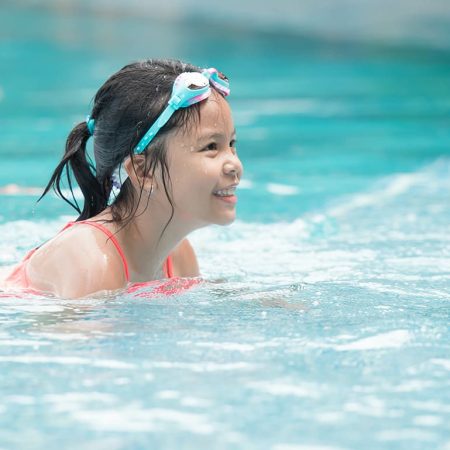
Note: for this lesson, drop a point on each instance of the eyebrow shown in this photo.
(215, 135)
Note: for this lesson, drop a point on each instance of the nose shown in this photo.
(233, 167)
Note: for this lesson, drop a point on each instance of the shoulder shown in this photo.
(76, 263)
(184, 260)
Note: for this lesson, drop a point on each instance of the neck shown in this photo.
(144, 247)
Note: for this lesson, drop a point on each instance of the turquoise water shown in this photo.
(323, 323)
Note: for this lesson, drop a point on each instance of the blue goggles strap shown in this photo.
(160, 122)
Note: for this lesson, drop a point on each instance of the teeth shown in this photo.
(225, 192)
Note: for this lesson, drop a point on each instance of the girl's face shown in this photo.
(202, 161)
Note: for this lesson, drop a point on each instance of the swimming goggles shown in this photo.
(188, 88)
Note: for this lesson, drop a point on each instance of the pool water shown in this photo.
(323, 321)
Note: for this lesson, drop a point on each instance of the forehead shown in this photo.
(215, 117)
(215, 112)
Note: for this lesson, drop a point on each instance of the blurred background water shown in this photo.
(324, 320)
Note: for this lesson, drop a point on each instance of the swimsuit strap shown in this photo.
(168, 267)
(168, 263)
(110, 236)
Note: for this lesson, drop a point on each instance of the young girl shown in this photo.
(165, 165)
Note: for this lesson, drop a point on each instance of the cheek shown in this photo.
(193, 179)
(201, 173)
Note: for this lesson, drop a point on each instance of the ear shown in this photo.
(137, 171)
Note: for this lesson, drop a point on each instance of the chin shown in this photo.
(224, 221)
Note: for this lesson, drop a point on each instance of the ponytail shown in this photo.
(76, 162)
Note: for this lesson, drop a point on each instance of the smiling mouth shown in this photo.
(231, 199)
(226, 192)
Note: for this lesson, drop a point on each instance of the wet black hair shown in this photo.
(124, 108)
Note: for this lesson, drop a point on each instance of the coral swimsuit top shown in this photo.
(18, 277)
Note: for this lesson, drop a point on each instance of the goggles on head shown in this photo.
(188, 88)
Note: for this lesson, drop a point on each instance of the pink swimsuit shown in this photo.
(18, 277)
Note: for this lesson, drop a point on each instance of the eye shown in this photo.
(210, 147)
(233, 143)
